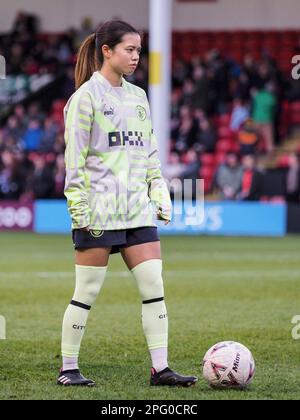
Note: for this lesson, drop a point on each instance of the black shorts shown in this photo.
(115, 239)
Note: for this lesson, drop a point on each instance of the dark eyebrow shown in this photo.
(132, 46)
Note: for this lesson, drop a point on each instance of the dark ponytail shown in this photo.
(86, 61)
(90, 57)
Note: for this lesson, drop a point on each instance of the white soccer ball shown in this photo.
(228, 365)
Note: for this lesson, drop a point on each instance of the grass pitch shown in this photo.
(241, 289)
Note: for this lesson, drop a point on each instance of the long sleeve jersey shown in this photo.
(113, 175)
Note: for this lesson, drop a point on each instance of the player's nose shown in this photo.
(135, 56)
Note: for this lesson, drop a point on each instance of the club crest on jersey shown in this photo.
(141, 113)
(96, 233)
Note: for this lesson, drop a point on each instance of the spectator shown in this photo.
(16, 60)
(85, 30)
(263, 114)
(188, 93)
(34, 111)
(174, 168)
(13, 129)
(30, 66)
(242, 89)
(40, 182)
(191, 172)
(250, 68)
(19, 113)
(293, 90)
(192, 167)
(293, 179)
(11, 180)
(140, 79)
(240, 114)
(248, 138)
(59, 176)
(48, 136)
(25, 23)
(33, 136)
(207, 138)
(186, 134)
(200, 98)
(252, 181)
(175, 108)
(59, 146)
(68, 87)
(263, 75)
(229, 177)
(219, 73)
(64, 52)
(179, 73)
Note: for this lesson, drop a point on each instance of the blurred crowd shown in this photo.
(242, 180)
(203, 90)
(32, 155)
(251, 93)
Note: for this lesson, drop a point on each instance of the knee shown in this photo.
(91, 292)
(149, 279)
(89, 281)
(154, 287)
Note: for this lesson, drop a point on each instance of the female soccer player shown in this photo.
(113, 180)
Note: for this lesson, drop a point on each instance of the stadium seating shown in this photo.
(278, 44)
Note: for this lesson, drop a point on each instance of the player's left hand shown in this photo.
(160, 217)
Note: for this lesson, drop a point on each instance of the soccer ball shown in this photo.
(228, 365)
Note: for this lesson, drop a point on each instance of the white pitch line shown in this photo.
(253, 257)
(201, 273)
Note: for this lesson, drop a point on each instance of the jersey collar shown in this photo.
(106, 83)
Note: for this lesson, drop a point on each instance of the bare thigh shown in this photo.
(137, 254)
(95, 257)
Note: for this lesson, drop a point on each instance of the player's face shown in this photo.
(125, 56)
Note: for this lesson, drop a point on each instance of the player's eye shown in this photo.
(132, 49)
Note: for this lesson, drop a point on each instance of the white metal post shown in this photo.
(160, 32)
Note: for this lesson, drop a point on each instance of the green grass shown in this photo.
(242, 289)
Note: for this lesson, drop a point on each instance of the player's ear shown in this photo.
(106, 51)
